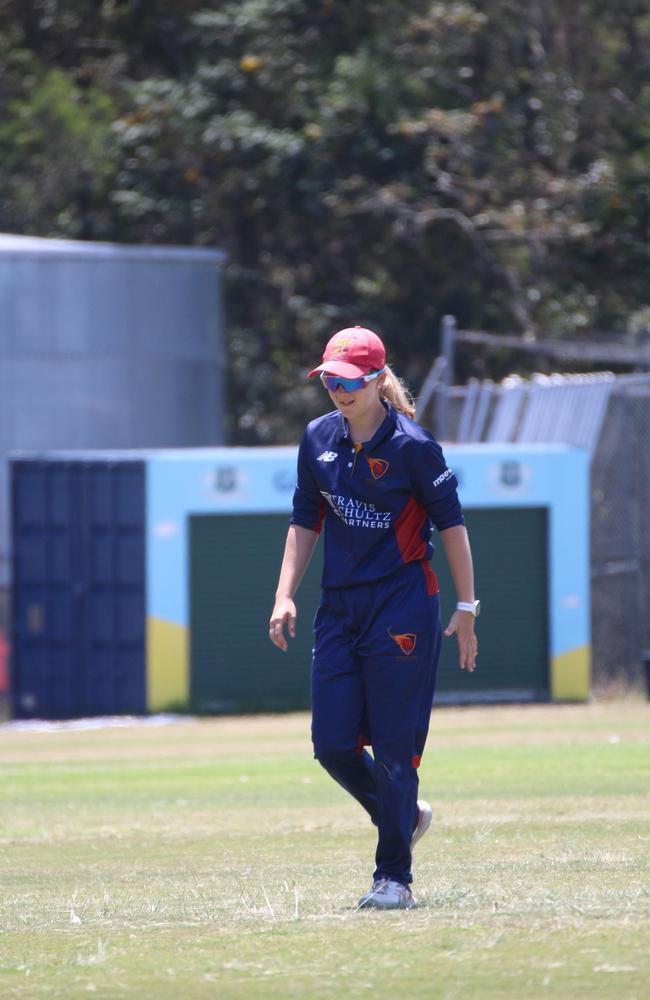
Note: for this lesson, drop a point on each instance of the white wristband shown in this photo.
(473, 607)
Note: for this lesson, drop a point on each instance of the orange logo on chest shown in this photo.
(406, 641)
(378, 467)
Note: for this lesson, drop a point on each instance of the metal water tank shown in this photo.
(106, 346)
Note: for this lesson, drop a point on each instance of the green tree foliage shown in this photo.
(378, 162)
(55, 144)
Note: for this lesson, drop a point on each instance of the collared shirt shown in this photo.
(378, 500)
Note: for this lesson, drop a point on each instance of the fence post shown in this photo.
(645, 663)
(448, 338)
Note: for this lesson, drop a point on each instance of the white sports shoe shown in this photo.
(387, 895)
(423, 823)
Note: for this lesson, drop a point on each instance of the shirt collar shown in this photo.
(385, 428)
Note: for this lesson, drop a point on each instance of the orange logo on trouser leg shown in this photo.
(378, 467)
(405, 641)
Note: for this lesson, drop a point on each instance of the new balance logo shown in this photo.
(327, 456)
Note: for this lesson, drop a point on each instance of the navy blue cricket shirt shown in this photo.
(378, 503)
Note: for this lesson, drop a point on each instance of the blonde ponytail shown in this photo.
(395, 392)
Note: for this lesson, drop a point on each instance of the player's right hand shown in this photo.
(284, 613)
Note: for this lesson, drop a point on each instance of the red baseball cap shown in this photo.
(351, 353)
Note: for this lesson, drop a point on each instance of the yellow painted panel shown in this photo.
(571, 675)
(168, 679)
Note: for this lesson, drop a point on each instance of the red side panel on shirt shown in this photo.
(318, 527)
(408, 528)
(430, 578)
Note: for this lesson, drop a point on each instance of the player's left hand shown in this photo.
(461, 624)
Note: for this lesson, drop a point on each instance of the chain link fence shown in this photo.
(611, 417)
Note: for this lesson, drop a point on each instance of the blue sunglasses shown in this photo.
(332, 382)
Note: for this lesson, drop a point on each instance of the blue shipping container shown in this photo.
(79, 600)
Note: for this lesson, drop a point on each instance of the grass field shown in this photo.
(214, 858)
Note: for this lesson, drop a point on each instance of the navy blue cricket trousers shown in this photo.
(373, 676)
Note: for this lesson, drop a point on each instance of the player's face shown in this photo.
(359, 404)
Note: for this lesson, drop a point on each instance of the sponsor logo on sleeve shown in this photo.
(442, 477)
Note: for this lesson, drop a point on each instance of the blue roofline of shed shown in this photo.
(37, 246)
(240, 452)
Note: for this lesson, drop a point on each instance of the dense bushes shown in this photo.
(381, 162)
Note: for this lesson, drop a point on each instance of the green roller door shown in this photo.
(234, 563)
(509, 547)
